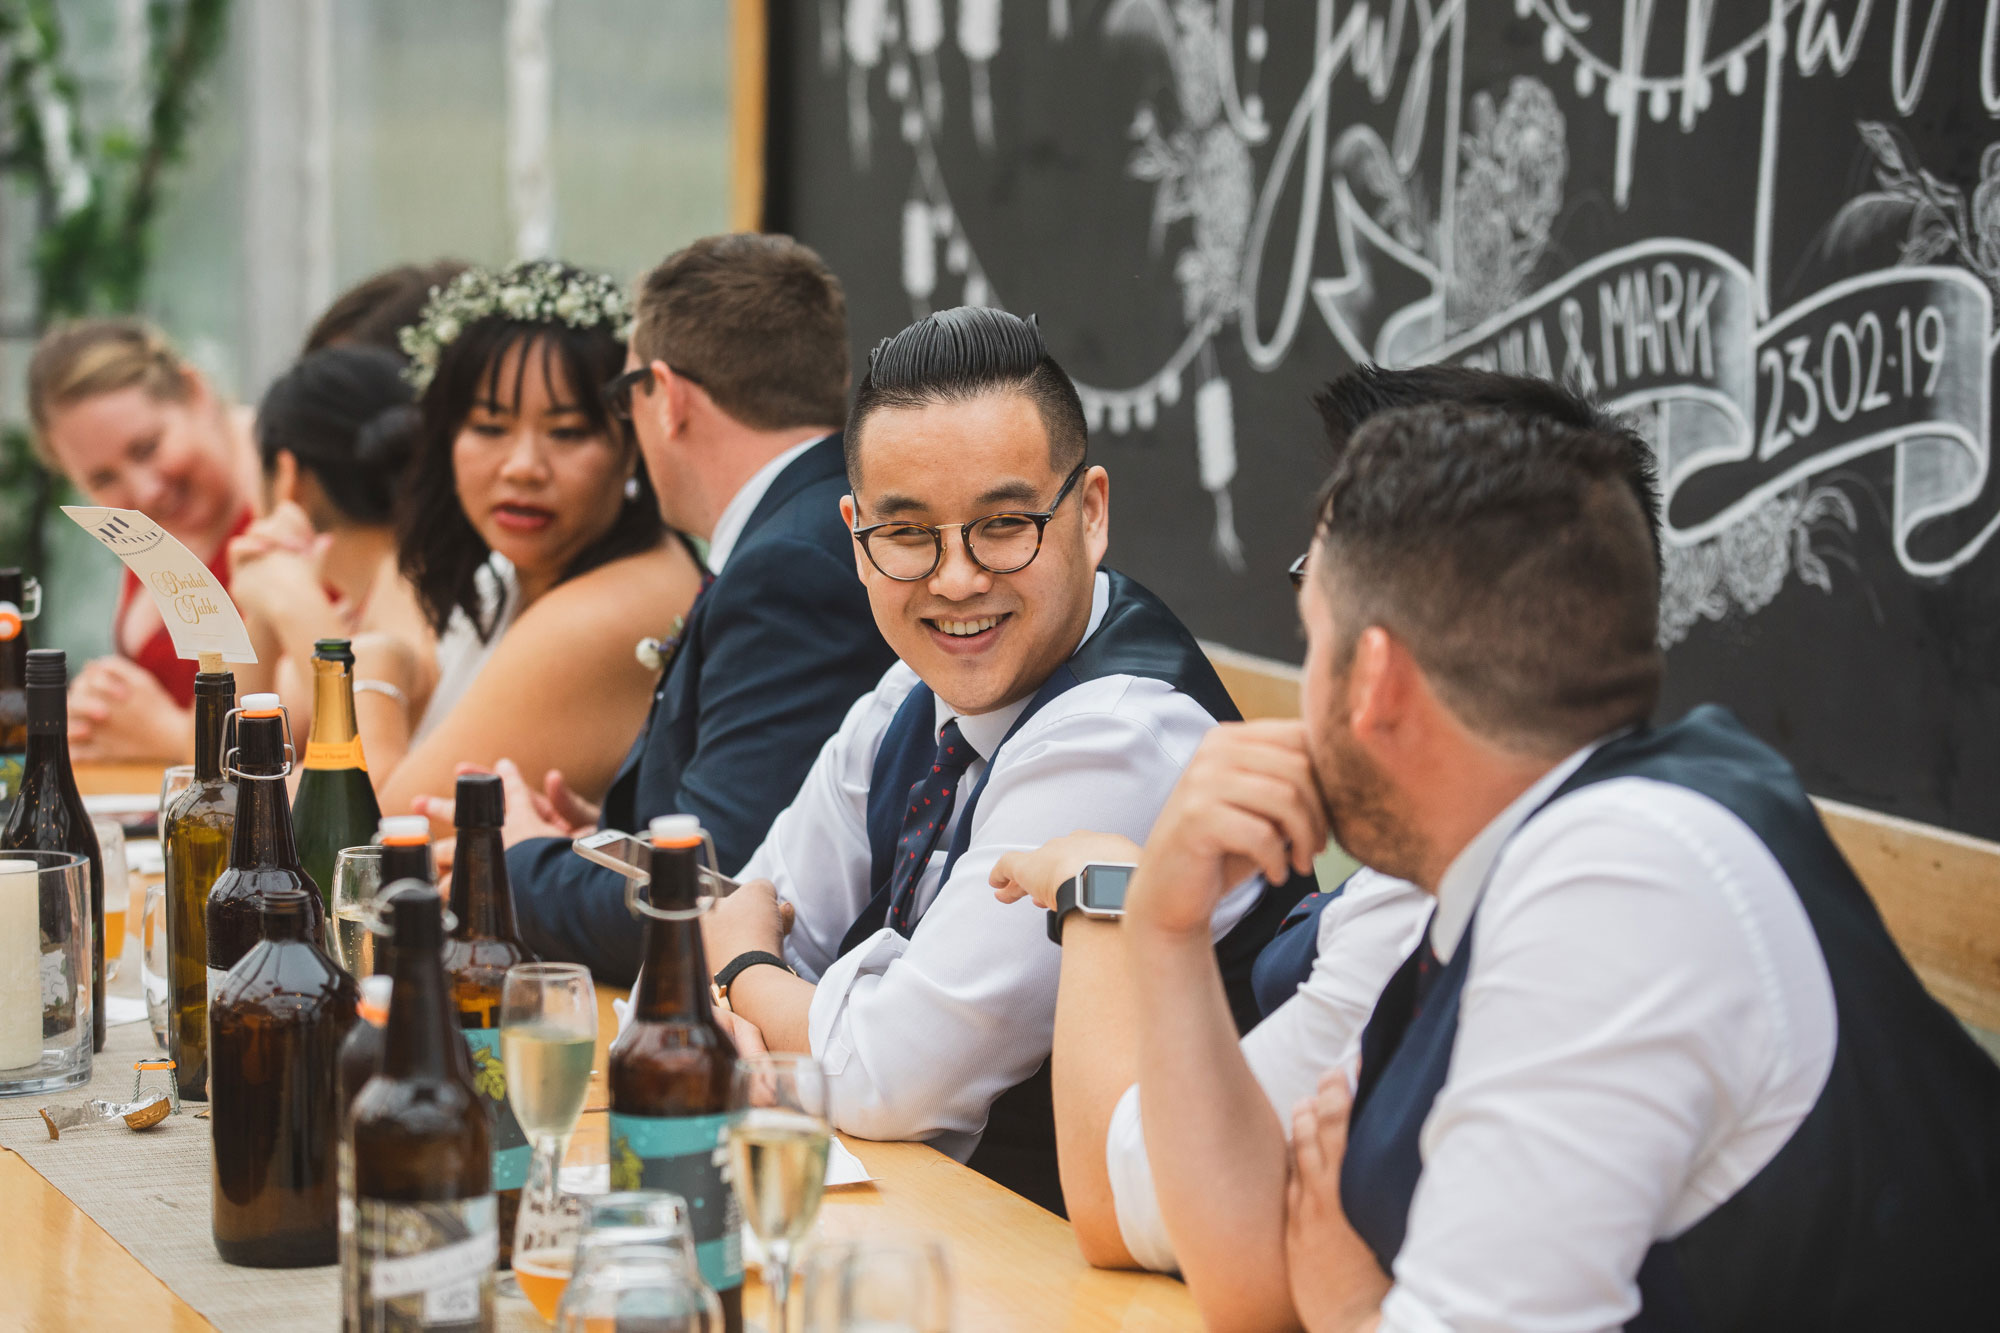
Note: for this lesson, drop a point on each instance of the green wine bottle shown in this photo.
(335, 807)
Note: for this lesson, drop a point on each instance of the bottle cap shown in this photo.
(10, 621)
(482, 801)
(675, 831)
(403, 830)
(281, 905)
(416, 914)
(261, 705)
(47, 666)
(374, 1003)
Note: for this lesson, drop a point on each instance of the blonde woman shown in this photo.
(118, 412)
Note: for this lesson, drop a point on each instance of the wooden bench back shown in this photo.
(1938, 891)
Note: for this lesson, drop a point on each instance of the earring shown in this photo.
(632, 487)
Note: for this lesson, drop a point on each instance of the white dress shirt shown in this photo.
(735, 515)
(1646, 1019)
(919, 1035)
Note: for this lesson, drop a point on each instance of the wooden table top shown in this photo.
(1014, 1264)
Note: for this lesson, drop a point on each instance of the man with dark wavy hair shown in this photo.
(1036, 692)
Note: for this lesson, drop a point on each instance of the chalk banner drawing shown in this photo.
(1747, 407)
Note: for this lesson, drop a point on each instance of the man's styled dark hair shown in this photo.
(376, 309)
(759, 322)
(345, 414)
(1345, 403)
(437, 548)
(1507, 553)
(960, 354)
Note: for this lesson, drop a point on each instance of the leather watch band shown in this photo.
(736, 966)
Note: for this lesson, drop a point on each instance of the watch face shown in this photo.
(1102, 888)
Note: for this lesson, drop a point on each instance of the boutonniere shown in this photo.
(653, 654)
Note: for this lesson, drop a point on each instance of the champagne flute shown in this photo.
(357, 878)
(548, 1034)
(897, 1287)
(777, 1147)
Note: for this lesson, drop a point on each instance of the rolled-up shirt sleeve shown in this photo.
(1364, 936)
(918, 1036)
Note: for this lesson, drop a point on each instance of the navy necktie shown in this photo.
(931, 801)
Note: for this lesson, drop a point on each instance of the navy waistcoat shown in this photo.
(1138, 636)
(1883, 1208)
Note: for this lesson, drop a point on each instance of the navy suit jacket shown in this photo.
(772, 657)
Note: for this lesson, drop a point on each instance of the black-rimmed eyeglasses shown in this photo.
(617, 391)
(1004, 543)
(1297, 572)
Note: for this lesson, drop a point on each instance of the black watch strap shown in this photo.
(1065, 904)
(735, 966)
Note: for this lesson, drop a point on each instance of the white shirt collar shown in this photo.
(735, 514)
(984, 731)
(1465, 878)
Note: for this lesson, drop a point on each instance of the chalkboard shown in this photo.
(1768, 228)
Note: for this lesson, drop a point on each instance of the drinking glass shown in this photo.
(153, 960)
(357, 877)
(777, 1151)
(117, 891)
(608, 1222)
(178, 779)
(640, 1286)
(44, 971)
(897, 1287)
(548, 1034)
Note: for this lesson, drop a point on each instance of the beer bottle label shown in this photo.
(336, 754)
(511, 1149)
(425, 1266)
(688, 1156)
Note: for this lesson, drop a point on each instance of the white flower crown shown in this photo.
(538, 291)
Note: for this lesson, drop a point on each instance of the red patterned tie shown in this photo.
(931, 801)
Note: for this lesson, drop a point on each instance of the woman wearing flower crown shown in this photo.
(518, 458)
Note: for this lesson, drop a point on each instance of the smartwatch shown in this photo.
(1098, 891)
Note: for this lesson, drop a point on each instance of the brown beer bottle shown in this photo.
(263, 857)
(671, 1070)
(361, 1053)
(200, 827)
(275, 1027)
(13, 688)
(49, 815)
(419, 1247)
(484, 943)
(406, 849)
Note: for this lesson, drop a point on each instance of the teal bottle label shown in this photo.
(686, 1155)
(511, 1149)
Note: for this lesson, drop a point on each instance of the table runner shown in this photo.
(151, 1192)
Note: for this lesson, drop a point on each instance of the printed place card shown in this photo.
(199, 614)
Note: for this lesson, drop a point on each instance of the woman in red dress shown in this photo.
(118, 412)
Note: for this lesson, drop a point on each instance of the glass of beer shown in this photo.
(357, 878)
(548, 1035)
(777, 1157)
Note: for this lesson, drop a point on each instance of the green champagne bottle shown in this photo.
(335, 807)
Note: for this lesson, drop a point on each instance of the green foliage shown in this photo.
(96, 196)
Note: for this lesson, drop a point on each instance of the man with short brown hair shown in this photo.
(735, 385)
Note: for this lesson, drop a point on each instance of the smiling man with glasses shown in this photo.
(1036, 693)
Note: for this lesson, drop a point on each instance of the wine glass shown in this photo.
(357, 878)
(777, 1157)
(897, 1287)
(548, 1035)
